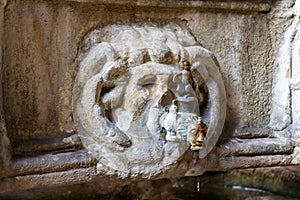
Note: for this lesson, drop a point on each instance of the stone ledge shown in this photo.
(243, 162)
(51, 163)
(79, 166)
(62, 143)
(83, 175)
(229, 5)
(258, 146)
(73, 176)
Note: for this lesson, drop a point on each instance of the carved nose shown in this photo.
(166, 98)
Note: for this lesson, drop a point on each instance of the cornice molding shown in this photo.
(245, 6)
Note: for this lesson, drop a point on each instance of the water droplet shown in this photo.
(198, 184)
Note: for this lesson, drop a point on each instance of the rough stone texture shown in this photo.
(39, 58)
(59, 144)
(123, 85)
(281, 117)
(244, 65)
(63, 25)
(285, 91)
(4, 140)
(255, 42)
(71, 176)
(258, 146)
(255, 5)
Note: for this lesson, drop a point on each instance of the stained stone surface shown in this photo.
(286, 76)
(45, 44)
(124, 84)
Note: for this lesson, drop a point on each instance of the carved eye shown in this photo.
(147, 83)
(147, 80)
(148, 86)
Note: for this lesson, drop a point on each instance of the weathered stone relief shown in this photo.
(285, 99)
(139, 94)
(146, 97)
(284, 115)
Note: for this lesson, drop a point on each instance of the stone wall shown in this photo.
(255, 43)
(42, 43)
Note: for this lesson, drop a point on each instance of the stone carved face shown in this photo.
(123, 85)
(145, 90)
(150, 88)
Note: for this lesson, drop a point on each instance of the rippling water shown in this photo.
(214, 186)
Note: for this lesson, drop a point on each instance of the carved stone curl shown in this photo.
(127, 77)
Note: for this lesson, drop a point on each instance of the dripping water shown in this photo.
(198, 184)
